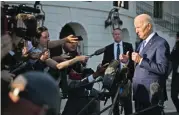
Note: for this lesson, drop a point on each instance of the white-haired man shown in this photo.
(152, 64)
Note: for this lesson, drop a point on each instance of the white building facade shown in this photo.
(87, 19)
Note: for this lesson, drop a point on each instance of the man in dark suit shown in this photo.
(116, 50)
(175, 75)
(152, 64)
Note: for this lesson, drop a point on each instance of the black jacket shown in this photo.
(109, 56)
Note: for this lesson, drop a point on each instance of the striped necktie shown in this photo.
(118, 53)
(142, 46)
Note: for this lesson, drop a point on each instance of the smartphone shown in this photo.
(79, 38)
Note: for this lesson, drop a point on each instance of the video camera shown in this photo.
(21, 20)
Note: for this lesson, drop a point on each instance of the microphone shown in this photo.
(98, 52)
(19, 68)
(51, 63)
(154, 88)
(110, 74)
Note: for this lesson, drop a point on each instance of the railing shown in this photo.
(167, 21)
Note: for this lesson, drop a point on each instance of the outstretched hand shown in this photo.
(100, 70)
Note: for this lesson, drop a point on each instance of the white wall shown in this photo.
(149, 2)
(175, 5)
(91, 15)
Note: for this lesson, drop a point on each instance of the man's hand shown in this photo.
(72, 39)
(136, 57)
(124, 58)
(100, 70)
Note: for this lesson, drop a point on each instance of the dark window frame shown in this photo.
(126, 4)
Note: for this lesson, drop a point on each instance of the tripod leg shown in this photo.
(86, 106)
(114, 101)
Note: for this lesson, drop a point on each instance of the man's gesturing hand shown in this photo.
(124, 57)
(136, 57)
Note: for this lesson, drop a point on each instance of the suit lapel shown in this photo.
(138, 48)
(148, 45)
(124, 48)
(112, 51)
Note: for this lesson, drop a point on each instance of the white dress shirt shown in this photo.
(147, 40)
(121, 51)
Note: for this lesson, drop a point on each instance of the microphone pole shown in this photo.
(114, 101)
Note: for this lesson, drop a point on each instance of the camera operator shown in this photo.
(76, 77)
(11, 45)
(120, 50)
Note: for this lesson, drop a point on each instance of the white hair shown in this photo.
(150, 21)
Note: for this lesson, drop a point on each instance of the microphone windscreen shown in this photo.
(154, 88)
(100, 51)
(110, 74)
(51, 63)
(112, 67)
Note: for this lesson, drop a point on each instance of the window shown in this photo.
(122, 4)
(158, 9)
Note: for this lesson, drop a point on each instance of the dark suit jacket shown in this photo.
(109, 56)
(175, 64)
(174, 57)
(154, 67)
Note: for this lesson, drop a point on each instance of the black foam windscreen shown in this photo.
(110, 74)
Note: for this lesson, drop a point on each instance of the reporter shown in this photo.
(74, 79)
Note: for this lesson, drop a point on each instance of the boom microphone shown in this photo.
(98, 52)
(19, 68)
(110, 74)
